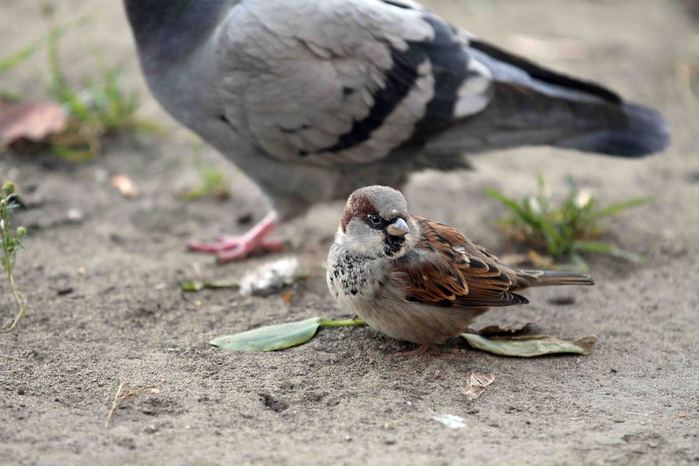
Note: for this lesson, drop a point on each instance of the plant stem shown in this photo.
(357, 322)
(21, 302)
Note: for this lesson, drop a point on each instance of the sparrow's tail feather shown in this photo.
(531, 105)
(528, 278)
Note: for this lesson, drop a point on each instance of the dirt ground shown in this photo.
(105, 305)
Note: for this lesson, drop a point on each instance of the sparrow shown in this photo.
(415, 279)
(313, 99)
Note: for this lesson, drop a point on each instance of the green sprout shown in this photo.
(11, 242)
(213, 183)
(99, 109)
(568, 229)
(96, 109)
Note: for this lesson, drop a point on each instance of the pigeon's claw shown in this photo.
(232, 248)
(247, 248)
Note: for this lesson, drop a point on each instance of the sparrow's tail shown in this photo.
(532, 105)
(527, 278)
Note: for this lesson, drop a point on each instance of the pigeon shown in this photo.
(313, 99)
(418, 280)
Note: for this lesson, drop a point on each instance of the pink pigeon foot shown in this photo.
(234, 248)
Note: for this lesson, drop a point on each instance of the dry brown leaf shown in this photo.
(287, 296)
(477, 383)
(125, 186)
(34, 121)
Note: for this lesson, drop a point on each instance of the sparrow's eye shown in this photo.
(375, 220)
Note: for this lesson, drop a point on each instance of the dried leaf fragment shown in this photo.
(35, 121)
(477, 383)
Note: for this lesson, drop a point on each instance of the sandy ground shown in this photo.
(105, 306)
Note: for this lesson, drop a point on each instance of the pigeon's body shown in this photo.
(314, 98)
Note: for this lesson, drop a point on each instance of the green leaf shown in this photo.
(530, 346)
(271, 338)
(282, 336)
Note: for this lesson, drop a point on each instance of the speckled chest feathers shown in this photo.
(354, 277)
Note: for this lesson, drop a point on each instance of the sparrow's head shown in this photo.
(376, 223)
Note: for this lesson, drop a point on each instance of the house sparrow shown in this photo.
(415, 279)
(315, 98)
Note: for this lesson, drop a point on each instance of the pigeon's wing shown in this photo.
(447, 269)
(344, 81)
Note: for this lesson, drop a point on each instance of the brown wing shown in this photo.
(447, 269)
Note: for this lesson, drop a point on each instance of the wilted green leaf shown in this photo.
(272, 337)
(530, 346)
(279, 337)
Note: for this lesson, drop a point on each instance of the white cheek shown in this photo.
(362, 239)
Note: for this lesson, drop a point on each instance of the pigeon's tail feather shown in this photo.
(531, 105)
(645, 133)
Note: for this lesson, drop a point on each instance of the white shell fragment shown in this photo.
(450, 420)
(270, 277)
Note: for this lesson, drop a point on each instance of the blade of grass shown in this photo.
(618, 207)
(25, 53)
(597, 247)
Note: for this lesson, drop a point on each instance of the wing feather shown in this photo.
(447, 269)
(344, 81)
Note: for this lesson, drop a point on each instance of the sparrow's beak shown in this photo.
(398, 228)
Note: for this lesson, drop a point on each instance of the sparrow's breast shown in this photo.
(354, 280)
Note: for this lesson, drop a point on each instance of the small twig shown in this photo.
(124, 393)
(115, 405)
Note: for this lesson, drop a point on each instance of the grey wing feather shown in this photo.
(344, 81)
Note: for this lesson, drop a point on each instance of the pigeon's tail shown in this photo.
(644, 133)
(531, 105)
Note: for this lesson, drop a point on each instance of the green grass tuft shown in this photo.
(98, 108)
(212, 183)
(567, 229)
